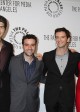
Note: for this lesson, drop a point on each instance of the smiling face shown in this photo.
(2, 30)
(29, 47)
(61, 39)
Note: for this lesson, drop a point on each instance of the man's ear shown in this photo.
(69, 40)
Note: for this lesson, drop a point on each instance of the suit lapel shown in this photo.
(54, 64)
(21, 67)
(70, 59)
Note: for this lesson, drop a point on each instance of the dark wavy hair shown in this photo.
(67, 32)
(3, 20)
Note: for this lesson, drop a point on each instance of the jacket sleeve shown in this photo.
(77, 71)
(45, 66)
(43, 77)
(44, 71)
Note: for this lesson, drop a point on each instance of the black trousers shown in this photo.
(4, 103)
(59, 108)
(61, 105)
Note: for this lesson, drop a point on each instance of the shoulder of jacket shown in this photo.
(76, 55)
(16, 57)
(49, 53)
(7, 43)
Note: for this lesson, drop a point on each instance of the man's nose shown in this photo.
(29, 47)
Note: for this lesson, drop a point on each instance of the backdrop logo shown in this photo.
(53, 8)
(16, 35)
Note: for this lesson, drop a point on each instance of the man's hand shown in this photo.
(72, 50)
(39, 56)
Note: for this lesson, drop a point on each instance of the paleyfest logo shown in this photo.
(16, 35)
(53, 8)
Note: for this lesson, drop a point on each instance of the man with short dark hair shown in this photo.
(6, 52)
(60, 65)
(25, 70)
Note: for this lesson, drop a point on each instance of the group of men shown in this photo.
(21, 75)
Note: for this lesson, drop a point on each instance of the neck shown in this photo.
(61, 51)
(27, 58)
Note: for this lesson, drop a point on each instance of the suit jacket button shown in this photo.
(60, 87)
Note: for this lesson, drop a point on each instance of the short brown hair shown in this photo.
(29, 36)
(67, 32)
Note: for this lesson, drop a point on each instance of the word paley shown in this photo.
(12, 5)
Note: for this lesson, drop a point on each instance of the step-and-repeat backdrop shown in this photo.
(41, 18)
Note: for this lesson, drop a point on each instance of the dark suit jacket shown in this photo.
(60, 87)
(24, 94)
(5, 56)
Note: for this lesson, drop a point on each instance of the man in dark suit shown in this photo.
(25, 70)
(60, 66)
(6, 52)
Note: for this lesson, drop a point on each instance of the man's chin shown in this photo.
(29, 55)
